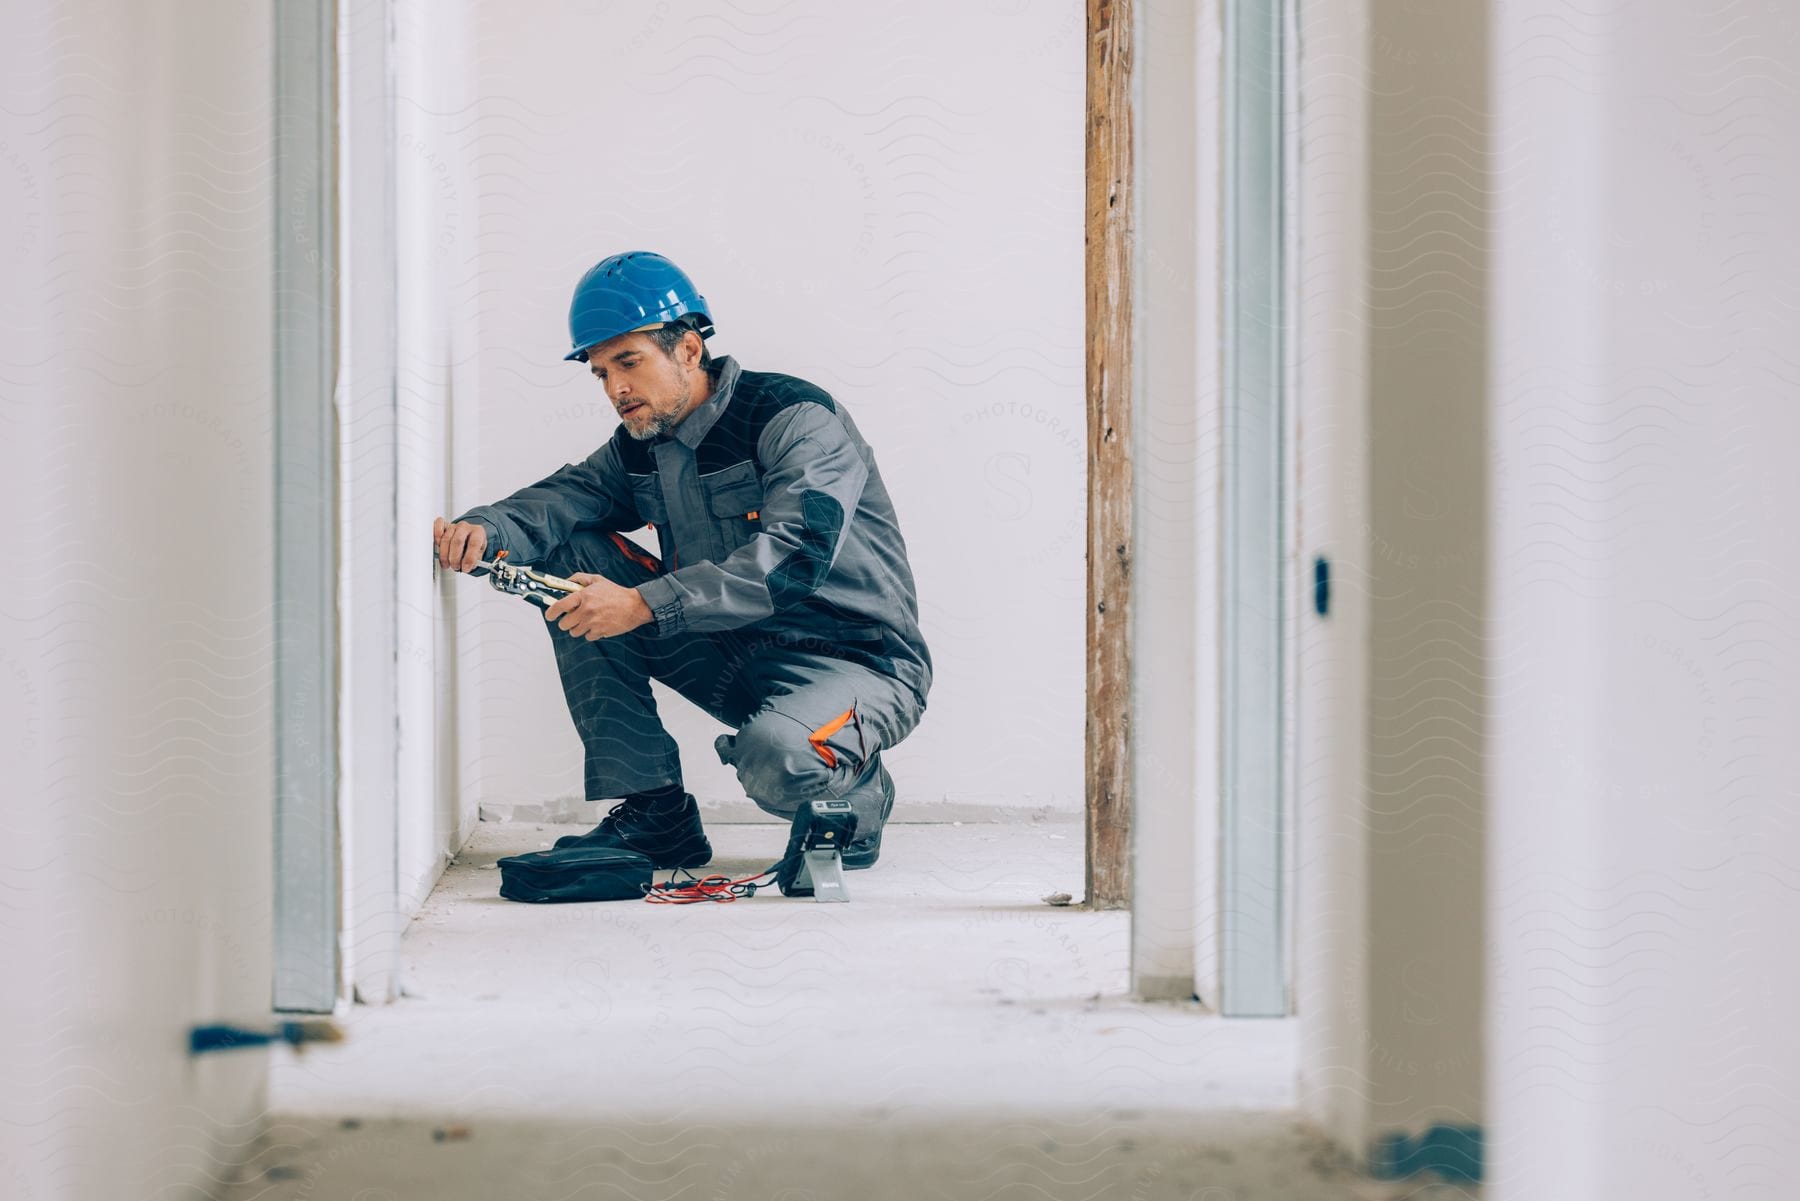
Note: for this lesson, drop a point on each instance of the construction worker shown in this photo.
(782, 604)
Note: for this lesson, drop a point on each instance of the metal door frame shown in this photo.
(1255, 525)
(307, 898)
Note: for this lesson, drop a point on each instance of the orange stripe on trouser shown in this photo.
(818, 736)
(636, 554)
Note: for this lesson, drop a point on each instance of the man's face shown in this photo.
(651, 391)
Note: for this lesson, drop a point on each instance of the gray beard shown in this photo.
(662, 423)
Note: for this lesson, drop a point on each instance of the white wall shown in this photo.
(1391, 365)
(407, 291)
(887, 201)
(1427, 687)
(1330, 381)
(135, 654)
(367, 409)
(1176, 421)
(1645, 854)
(435, 140)
(1626, 660)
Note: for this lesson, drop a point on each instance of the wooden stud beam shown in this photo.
(1109, 233)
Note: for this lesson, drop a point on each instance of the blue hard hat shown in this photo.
(631, 291)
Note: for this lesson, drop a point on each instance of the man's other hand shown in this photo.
(460, 545)
(602, 609)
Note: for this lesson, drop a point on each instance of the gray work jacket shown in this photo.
(770, 514)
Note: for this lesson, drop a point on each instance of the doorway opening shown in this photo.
(956, 982)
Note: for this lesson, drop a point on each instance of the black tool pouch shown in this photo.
(575, 874)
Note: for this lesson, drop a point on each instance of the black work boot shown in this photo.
(664, 825)
(865, 849)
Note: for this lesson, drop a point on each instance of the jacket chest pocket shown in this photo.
(734, 499)
(646, 494)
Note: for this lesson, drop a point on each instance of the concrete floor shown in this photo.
(947, 1034)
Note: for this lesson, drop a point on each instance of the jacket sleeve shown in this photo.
(813, 478)
(534, 521)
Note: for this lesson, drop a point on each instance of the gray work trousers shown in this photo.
(808, 725)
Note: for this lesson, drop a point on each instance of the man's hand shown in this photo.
(602, 609)
(459, 546)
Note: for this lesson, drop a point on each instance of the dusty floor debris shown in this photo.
(946, 1034)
